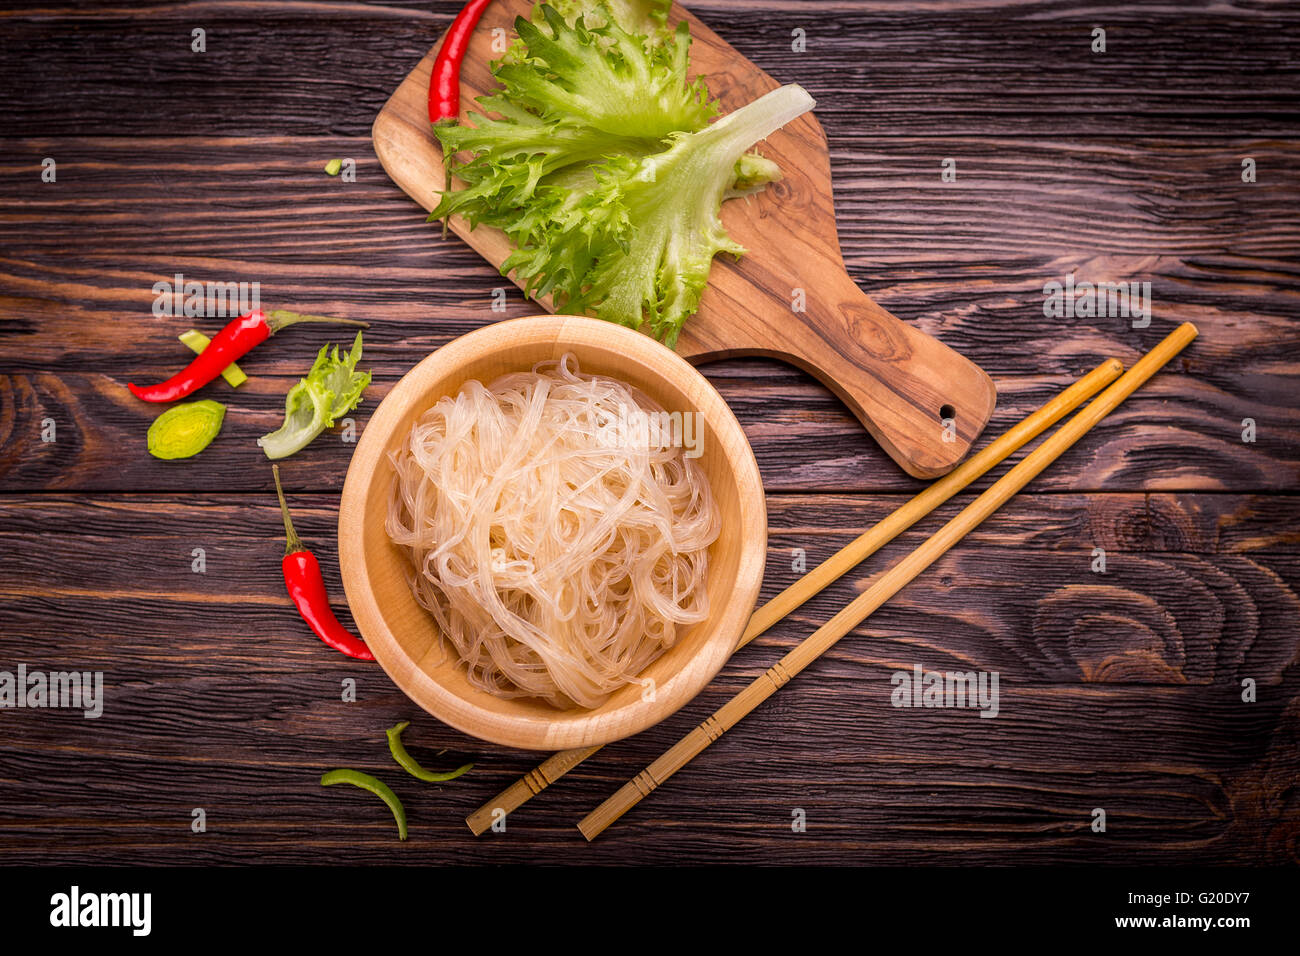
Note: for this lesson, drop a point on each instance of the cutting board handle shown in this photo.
(924, 403)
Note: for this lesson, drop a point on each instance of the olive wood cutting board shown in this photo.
(901, 383)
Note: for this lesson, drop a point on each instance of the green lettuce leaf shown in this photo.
(644, 18)
(597, 159)
(637, 246)
(573, 95)
(620, 86)
(332, 388)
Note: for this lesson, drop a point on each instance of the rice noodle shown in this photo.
(557, 562)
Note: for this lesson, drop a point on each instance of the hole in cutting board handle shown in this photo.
(946, 413)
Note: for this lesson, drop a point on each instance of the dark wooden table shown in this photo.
(1120, 691)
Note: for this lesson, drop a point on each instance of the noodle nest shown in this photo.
(556, 548)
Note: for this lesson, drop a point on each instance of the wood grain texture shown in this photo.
(885, 586)
(1005, 67)
(968, 266)
(1120, 691)
(239, 700)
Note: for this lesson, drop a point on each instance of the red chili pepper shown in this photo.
(444, 83)
(232, 343)
(306, 586)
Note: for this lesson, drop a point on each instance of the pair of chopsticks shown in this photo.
(885, 587)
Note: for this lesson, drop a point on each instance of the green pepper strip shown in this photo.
(411, 765)
(196, 341)
(375, 786)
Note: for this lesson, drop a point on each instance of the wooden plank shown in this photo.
(962, 261)
(1152, 618)
(75, 322)
(263, 206)
(1004, 67)
(1178, 433)
(966, 263)
(200, 713)
(1197, 589)
(1136, 522)
(930, 786)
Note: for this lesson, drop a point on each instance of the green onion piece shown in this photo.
(333, 166)
(185, 430)
(375, 786)
(411, 765)
(197, 341)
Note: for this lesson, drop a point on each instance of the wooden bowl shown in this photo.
(403, 635)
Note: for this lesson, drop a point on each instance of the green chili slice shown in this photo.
(375, 786)
(185, 430)
(411, 765)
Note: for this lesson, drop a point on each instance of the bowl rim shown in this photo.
(727, 622)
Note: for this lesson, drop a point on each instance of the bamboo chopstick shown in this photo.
(885, 587)
(866, 544)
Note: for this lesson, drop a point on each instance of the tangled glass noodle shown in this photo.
(558, 562)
